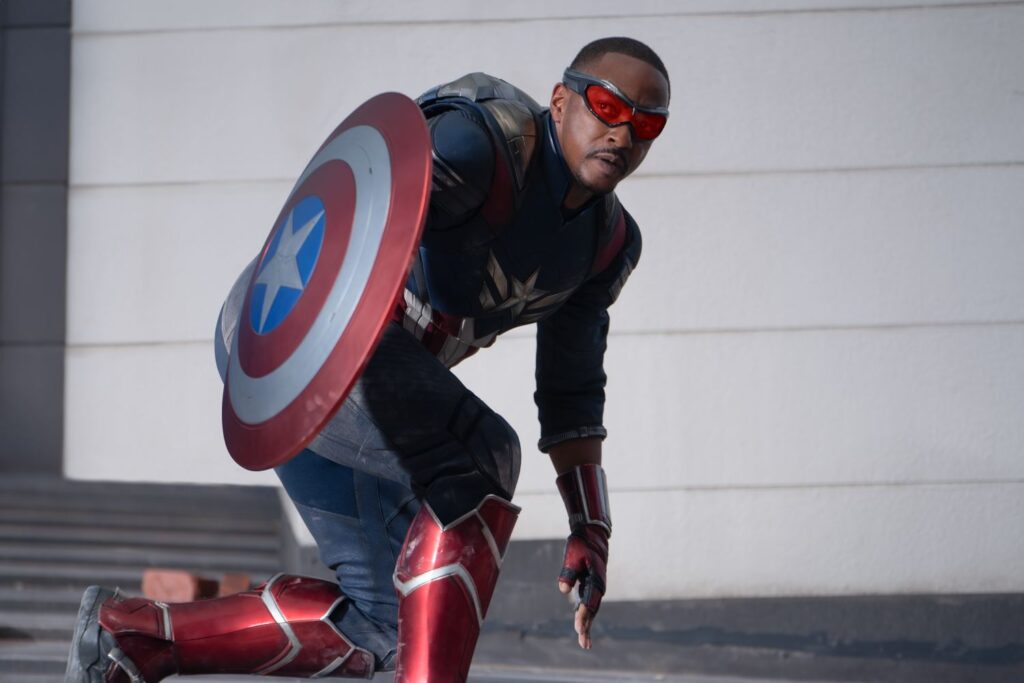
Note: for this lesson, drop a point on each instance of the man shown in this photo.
(408, 488)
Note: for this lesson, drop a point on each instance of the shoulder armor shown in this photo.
(512, 114)
(519, 126)
(478, 87)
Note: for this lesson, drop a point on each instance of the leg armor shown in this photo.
(282, 628)
(445, 578)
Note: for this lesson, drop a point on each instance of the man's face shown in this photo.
(598, 155)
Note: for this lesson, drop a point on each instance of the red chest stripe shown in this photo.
(612, 248)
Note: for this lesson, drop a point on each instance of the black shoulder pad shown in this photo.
(463, 165)
(510, 116)
(478, 87)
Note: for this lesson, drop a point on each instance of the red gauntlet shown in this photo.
(585, 494)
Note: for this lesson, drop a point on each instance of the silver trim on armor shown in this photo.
(353, 648)
(452, 351)
(168, 633)
(602, 492)
(582, 492)
(445, 173)
(462, 518)
(326, 618)
(457, 570)
(520, 129)
(497, 274)
(418, 314)
(119, 658)
(491, 542)
(324, 672)
(467, 334)
(275, 611)
(605, 500)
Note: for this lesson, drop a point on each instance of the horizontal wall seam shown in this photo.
(716, 488)
(881, 327)
(62, 184)
(838, 170)
(80, 186)
(785, 329)
(19, 344)
(35, 27)
(738, 14)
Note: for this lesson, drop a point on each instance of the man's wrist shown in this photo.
(568, 454)
(584, 490)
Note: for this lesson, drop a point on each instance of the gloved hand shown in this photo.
(584, 493)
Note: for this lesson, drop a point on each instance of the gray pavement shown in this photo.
(516, 674)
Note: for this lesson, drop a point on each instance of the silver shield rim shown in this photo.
(257, 399)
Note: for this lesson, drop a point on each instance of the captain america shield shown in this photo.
(325, 283)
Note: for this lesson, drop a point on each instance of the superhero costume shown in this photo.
(407, 488)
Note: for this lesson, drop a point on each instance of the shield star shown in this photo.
(282, 270)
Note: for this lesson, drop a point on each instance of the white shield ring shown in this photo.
(372, 178)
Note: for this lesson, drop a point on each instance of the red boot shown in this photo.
(445, 577)
(281, 628)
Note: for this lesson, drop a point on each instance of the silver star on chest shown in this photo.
(282, 270)
(519, 296)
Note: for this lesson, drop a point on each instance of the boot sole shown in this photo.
(87, 637)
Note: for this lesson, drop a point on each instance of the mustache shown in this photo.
(618, 153)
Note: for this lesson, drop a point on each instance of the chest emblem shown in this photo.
(524, 301)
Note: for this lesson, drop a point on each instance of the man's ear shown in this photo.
(558, 97)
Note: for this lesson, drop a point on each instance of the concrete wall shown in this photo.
(816, 374)
(34, 87)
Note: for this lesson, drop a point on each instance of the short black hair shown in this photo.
(595, 49)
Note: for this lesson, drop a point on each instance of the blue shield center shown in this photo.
(288, 265)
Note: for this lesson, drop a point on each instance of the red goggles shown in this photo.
(612, 108)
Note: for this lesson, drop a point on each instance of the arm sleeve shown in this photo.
(463, 166)
(570, 353)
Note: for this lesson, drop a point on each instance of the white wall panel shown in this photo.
(148, 413)
(816, 378)
(827, 249)
(778, 409)
(690, 412)
(780, 251)
(152, 413)
(153, 15)
(154, 263)
(786, 542)
(757, 92)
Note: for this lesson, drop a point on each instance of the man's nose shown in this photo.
(621, 136)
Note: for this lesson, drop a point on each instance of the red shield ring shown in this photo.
(325, 283)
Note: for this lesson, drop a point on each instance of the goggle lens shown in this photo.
(612, 110)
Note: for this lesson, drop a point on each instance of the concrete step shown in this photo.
(45, 661)
(27, 575)
(38, 625)
(33, 656)
(139, 557)
(50, 599)
(37, 484)
(265, 542)
(126, 500)
(58, 537)
(88, 518)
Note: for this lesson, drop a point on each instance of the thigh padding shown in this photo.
(490, 441)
